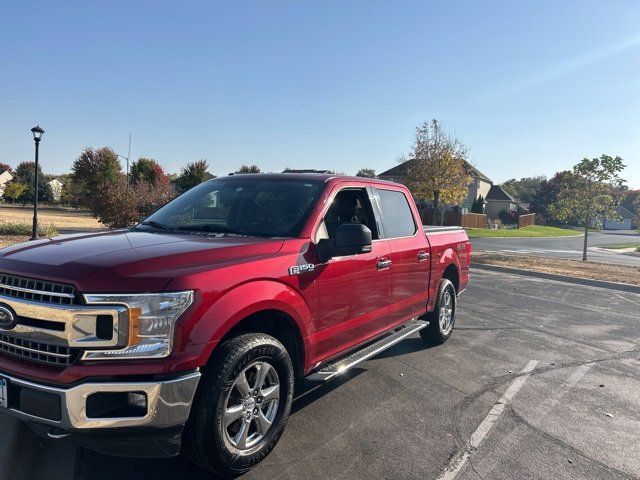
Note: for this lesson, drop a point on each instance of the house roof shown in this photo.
(401, 170)
(497, 193)
(624, 213)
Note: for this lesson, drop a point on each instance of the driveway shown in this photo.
(565, 247)
(541, 377)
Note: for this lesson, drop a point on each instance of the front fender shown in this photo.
(245, 300)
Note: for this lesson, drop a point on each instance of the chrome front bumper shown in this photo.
(168, 403)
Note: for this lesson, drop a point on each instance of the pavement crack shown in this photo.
(473, 468)
(437, 379)
(561, 443)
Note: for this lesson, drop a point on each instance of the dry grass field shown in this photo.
(572, 268)
(60, 218)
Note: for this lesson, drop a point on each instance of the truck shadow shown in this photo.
(95, 466)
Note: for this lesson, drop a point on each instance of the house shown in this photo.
(5, 177)
(56, 189)
(480, 183)
(497, 200)
(624, 224)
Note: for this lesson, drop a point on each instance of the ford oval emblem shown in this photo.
(7, 319)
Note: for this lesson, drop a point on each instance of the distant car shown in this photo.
(191, 327)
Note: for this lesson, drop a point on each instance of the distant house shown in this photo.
(497, 200)
(56, 189)
(624, 224)
(5, 177)
(480, 183)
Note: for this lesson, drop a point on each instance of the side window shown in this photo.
(349, 206)
(397, 218)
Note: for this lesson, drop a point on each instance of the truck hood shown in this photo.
(129, 260)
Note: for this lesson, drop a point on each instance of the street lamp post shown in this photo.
(37, 135)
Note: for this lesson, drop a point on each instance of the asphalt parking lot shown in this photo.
(463, 410)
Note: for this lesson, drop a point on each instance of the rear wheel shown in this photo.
(242, 406)
(443, 317)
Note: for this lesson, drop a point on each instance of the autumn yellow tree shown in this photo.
(436, 168)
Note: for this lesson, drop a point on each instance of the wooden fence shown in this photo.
(526, 220)
(467, 220)
(473, 220)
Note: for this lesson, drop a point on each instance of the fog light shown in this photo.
(138, 400)
(116, 405)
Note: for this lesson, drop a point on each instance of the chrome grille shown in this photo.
(38, 352)
(37, 290)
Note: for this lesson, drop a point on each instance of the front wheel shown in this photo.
(242, 405)
(443, 316)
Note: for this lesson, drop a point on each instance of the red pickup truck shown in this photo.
(191, 327)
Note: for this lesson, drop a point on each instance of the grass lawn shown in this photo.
(532, 231)
(620, 246)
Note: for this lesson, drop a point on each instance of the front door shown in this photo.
(354, 289)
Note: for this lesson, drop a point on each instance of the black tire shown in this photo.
(436, 333)
(207, 441)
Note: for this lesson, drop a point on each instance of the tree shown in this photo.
(366, 172)
(436, 168)
(248, 169)
(118, 205)
(631, 200)
(91, 170)
(147, 170)
(14, 190)
(587, 193)
(194, 173)
(4, 167)
(523, 189)
(478, 205)
(547, 194)
(25, 174)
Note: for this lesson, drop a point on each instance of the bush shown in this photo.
(119, 206)
(507, 217)
(17, 228)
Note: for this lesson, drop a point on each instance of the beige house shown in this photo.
(480, 183)
(497, 200)
(5, 177)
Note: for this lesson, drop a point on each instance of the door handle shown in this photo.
(383, 263)
(422, 256)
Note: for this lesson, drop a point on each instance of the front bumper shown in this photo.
(168, 404)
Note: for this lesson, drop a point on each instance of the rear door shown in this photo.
(408, 251)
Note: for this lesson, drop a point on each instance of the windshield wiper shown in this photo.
(153, 223)
(209, 228)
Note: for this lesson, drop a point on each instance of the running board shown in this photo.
(330, 371)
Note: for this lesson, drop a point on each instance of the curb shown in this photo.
(622, 287)
(529, 238)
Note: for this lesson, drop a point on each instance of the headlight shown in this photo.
(152, 318)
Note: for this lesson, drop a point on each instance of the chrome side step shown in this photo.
(330, 371)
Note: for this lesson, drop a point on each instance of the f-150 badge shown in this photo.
(298, 269)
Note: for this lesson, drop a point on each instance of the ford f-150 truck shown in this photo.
(189, 329)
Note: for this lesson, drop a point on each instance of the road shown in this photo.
(565, 247)
(411, 412)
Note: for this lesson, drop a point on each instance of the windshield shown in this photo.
(246, 207)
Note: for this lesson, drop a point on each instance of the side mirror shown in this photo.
(351, 239)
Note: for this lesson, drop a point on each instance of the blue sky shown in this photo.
(530, 87)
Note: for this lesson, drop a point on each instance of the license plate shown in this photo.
(4, 401)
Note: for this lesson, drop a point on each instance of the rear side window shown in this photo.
(397, 219)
